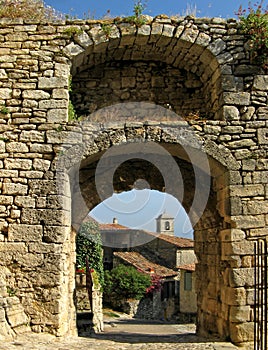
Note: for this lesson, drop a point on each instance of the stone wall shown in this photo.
(37, 244)
(187, 297)
(115, 82)
(82, 301)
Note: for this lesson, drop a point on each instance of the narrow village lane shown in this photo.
(124, 334)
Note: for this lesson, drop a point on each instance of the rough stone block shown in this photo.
(55, 234)
(260, 82)
(9, 173)
(237, 98)
(32, 136)
(14, 189)
(16, 316)
(41, 164)
(16, 147)
(35, 94)
(233, 296)
(237, 248)
(241, 277)
(247, 191)
(240, 314)
(242, 332)
(22, 164)
(25, 233)
(258, 232)
(6, 200)
(46, 216)
(57, 115)
(256, 207)
(42, 187)
(263, 136)
(248, 221)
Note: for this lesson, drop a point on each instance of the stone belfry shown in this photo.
(165, 224)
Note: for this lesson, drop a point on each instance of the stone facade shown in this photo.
(209, 58)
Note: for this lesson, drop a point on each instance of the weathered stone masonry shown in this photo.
(197, 67)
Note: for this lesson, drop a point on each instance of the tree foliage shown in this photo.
(125, 282)
(88, 244)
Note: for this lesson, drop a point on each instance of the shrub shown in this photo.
(137, 17)
(125, 282)
(34, 10)
(255, 26)
(88, 244)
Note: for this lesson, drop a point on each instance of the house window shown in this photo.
(167, 225)
(188, 280)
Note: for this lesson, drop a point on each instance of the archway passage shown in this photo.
(37, 250)
(207, 231)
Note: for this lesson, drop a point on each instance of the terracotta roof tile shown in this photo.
(113, 227)
(180, 242)
(141, 263)
(188, 267)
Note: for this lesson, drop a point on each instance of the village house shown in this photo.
(162, 303)
(188, 297)
(164, 255)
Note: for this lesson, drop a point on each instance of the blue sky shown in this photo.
(97, 9)
(140, 208)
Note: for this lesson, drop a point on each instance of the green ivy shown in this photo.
(88, 244)
(255, 26)
(126, 282)
(4, 110)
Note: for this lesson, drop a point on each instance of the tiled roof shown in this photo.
(141, 263)
(180, 242)
(188, 267)
(113, 227)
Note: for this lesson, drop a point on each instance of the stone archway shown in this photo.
(182, 67)
(36, 244)
(210, 230)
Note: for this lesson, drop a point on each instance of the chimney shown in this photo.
(115, 221)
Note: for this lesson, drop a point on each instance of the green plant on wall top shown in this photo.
(254, 23)
(138, 17)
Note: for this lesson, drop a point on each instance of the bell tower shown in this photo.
(165, 224)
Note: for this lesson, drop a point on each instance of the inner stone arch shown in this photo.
(179, 75)
(207, 231)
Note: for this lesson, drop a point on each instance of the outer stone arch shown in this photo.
(211, 230)
(189, 68)
(35, 235)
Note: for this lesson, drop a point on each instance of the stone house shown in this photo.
(161, 303)
(188, 297)
(116, 237)
(163, 254)
(171, 250)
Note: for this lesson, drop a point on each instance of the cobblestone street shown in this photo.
(124, 334)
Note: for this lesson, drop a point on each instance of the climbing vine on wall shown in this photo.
(88, 244)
